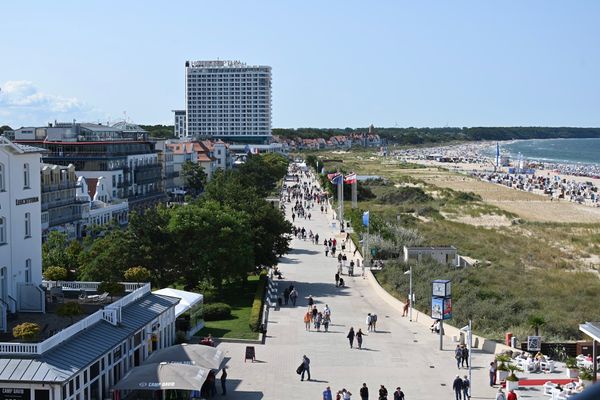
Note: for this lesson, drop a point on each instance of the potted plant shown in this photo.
(572, 368)
(512, 380)
(502, 369)
(586, 376)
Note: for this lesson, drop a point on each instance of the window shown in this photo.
(28, 270)
(3, 237)
(27, 225)
(2, 179)
(26, 176)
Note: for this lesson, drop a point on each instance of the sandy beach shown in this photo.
(532, 205)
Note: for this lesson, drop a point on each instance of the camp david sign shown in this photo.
(156, 384)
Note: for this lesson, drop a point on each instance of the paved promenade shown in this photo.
(400, 353)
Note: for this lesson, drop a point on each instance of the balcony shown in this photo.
(59, 186)
(110, 314)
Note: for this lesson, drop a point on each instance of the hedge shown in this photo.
(256, 311)
(216, 311)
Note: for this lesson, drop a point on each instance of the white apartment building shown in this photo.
(228, 100)
(20, 229)
(179, 127)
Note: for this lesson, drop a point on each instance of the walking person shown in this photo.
(311, 301)
(369, 322)
(364, 392)
(362, 267)
(500, 394)
(374, 322)
(286, 296)
(398, 394)
(512, 395)
(337, 279)
(492, 374)
(383, 393)
(327, 394)
(294, 296)
(224, 381)
(458, 355)
(406, 306)
(305, 367)
(307, 321)
(350, 337)
(465, 356)
(457, 385)
(326, 250)
(326, 320)
(466, 385)
(359, 338)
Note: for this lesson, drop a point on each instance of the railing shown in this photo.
(88, 286)
(111, 314)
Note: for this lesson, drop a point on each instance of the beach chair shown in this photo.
(548, 386)
(94, 298)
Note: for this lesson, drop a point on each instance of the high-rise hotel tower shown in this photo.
(228, 100)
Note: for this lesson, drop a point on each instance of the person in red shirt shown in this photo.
(512, 395)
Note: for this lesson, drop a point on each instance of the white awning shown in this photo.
(187, 299)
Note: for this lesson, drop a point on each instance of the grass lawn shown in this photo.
(237, 327)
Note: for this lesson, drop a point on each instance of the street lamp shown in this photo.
(410, 293)
(468, 331)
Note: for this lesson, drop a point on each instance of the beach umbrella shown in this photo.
(164, 376)
(193, 354)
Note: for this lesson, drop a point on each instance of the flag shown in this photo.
(366, 218)
(350, 178)
(338, 179)
(332, 176)
(497, 154)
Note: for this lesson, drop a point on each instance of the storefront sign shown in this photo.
(28, 200)
(15, 394)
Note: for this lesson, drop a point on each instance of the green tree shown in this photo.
(270, 230)
(263, 172)
(112, 288)
(58, 251)
(194, 176)
(213, 242)
(153, 244)
(107, 257)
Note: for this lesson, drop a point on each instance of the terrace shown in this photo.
(55, 328)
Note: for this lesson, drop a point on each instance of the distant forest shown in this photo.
(413, 135)
(439, 135)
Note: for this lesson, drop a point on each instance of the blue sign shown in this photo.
(366, 218)
(441, 308)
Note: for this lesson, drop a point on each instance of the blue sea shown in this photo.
(564, 151)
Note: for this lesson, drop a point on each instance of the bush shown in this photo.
(405, 195)
(256, 311)
(26, 331)
(55, 274)
(137, 274)
(112, 288)
(209, 291)
(216, 311)
(70, 309)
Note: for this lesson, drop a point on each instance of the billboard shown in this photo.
(441, 308)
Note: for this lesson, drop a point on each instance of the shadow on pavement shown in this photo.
(287, 260)
(303, 251)
(239, 395)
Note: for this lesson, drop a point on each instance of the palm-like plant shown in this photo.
(536, 321)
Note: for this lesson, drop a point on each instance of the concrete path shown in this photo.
(400, 353)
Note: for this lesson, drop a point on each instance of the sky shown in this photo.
(334, 63)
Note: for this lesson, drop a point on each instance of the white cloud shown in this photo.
(24, 104)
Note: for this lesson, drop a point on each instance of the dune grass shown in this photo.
(526, 268)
